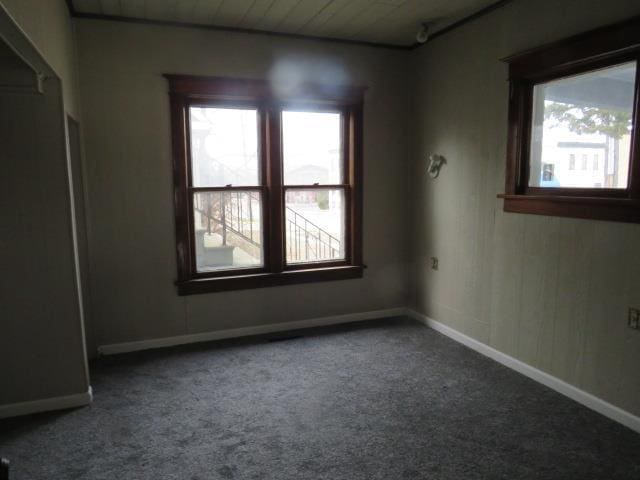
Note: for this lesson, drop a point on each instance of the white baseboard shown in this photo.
(46, 404)
(247, 331)
(588, 400)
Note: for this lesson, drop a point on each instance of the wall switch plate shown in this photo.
(434, 263)
(634, 318)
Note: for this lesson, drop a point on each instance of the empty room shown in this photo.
(320, 239)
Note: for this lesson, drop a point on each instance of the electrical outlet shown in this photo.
(434, 263)
(634, 318)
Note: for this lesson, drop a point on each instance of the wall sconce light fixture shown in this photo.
(435, 164)
(423, 34)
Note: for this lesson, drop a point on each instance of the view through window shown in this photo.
(572, 145)
(586, 116)
(312, 158)
(227, 223)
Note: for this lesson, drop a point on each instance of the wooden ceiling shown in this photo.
(390, 22)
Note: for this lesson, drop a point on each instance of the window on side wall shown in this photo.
(576, 100)
(267, 188)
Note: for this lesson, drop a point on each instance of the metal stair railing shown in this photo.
(306, 241)
(233, 215)
(304, 244)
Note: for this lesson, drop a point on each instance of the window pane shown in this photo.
(315, 225)
(228, 230)
(224, 146)
(312, 148)
(581, 117)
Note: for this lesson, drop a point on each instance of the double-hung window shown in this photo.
(267, 182)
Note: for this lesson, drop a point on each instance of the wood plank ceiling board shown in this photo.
(375, 13)
(343, 17)
(257, 11)
(401, 25)
(315, 24)
(277, 12)
(205, 11)
(231, 12)
(301, 14)
(386, 22)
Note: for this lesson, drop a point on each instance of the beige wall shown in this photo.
(551, 292)
(128, 165)
(49, 27)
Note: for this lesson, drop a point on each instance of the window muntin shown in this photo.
(583, 113)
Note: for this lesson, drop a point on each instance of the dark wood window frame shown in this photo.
(186, 91)
(604, 47)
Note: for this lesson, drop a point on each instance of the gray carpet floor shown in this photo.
(388, 399)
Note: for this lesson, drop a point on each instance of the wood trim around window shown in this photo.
(187, 90)
(596, 49)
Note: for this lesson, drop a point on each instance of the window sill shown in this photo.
(594, 208)
(260, 280)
